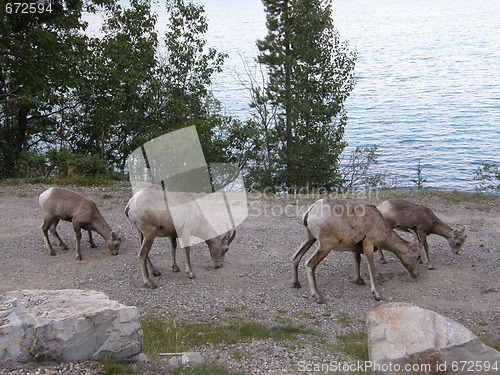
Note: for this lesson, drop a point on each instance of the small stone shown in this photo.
(192, 359)
(175, 362)
(278, 350)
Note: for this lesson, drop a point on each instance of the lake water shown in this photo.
(428, 75)
(428, 85)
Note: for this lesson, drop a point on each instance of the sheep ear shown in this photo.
(114, 235)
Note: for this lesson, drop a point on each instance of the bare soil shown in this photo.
(255, 282)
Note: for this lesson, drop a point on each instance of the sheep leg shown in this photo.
(53, 230)
(189, 270)
(304, 247)
(358, 280)
(91, 240)
(426, 247)
(382, 258)
(173, 241)
(322, 251)
(368, 250)
(144, 259)
(152, 268)
(78, 235)
(47, 223)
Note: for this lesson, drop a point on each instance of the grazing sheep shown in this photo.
(344, 226)
(404, 215)
(82, 212)
(152, 217)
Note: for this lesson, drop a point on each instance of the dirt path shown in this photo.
(256, 279)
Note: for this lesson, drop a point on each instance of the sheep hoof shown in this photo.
(297, 285)
(378, 297)
(150, 285)
(191, 276)
(156, 273)
(79, 257)
(431, 267)
(383, 261)
(321, 301)
(175, 268)
(360, 281)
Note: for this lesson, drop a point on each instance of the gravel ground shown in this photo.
(255, 282)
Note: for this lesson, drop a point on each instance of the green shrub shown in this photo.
(66, 163)
(82, 170)
(31, 165)
(488, 177)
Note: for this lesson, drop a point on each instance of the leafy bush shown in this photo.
(356, 171)
(64, 163)
(31, 165)
(488, 177)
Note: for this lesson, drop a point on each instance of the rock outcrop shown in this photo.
(404, 339)
(66, 325)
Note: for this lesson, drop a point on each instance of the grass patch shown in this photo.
(491, 342)
(173, 337)
(84, 181)
(115, 368)
(472, 200)
(354, 344)
(344, 318)
(239, 355)
(11, 181)
(208, 369)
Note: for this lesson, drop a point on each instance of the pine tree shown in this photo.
(311, 74)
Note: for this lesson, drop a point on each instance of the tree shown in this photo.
(63, 90)
(186, 68)
(39, 60)
(112, 114)
(310, 75)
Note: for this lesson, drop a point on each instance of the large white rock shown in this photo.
(402, 336)
(66, 325)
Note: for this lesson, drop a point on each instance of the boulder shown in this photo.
(403, 339)
(66, 325)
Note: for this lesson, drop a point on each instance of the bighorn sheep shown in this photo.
(63, 204)
(403, 215)
(345, 226)
(149, 212)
